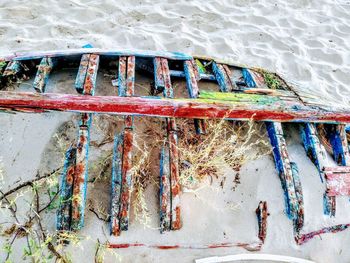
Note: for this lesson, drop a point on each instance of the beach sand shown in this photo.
(307, 42)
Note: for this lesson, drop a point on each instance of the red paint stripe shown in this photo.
(184, 108)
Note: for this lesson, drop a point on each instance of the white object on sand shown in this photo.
(238, 257)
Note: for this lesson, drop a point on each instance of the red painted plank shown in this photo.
(152, 106)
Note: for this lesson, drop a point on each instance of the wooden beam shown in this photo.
(208, 105)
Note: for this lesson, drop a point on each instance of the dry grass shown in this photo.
(225, 144)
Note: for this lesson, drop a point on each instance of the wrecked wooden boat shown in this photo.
(237, 93)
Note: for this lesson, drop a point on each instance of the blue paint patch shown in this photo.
(248, 78)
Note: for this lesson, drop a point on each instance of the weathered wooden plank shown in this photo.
(229, 76)
(158, 74)
(262, 214)
(64, 211)
(314, 149)
(283, 167)
(116, 185)
(241, 107)
(168, 89)
(126, 179)
(122, 76)
(130, 76)
(102, 52)
(42, 75)
(193, 91)
(338, 184)
(80, 179)
(81, 170)
(82, 71)
(91, 75)
(165, 191)
(174, 176)
(221, 77)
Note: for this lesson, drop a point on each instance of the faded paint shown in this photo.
(64, 211)
(164, 189)
(116, 184)
(42, 75)
(179, 108)
(283, 167)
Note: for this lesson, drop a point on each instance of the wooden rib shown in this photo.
(229, 76)
(221, 77)
(82, 71)
(63, 213)
(91, 75)
(81, 169)
(80, 179)
(130, 76)
(122, 76)
(121, 202)
(158, 74)
(248, 78)
(314, 149)
(283, 167)
(191, 73)
(42, 75)
(116, 185)
(164, 193)
(175, 214)
(126, 179)
(168, 89)
(174, 176)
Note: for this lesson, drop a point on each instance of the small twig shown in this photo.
(98, 216)
(28, 183)
(50, 246)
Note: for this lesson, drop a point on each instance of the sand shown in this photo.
(307, 42)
